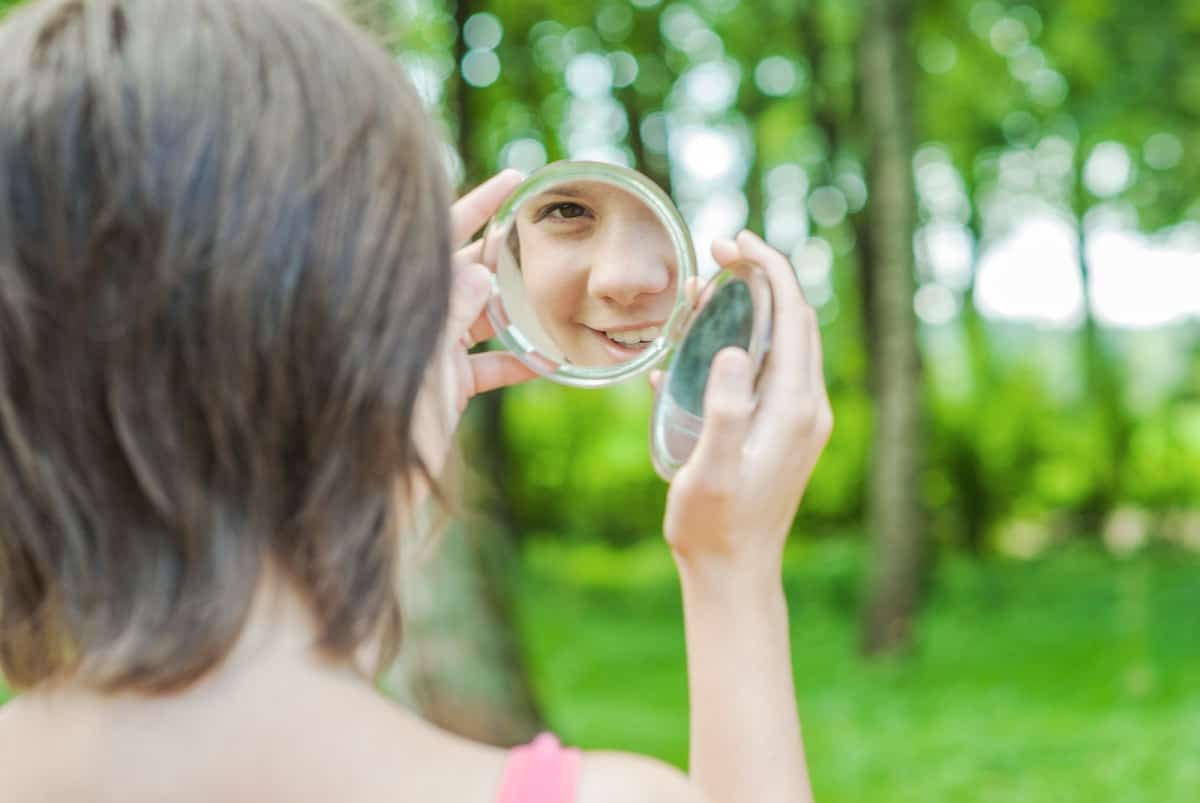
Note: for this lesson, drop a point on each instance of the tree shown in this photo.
(895, 507)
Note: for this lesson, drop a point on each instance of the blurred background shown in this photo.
(995, 207)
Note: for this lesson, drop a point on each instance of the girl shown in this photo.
(232, 357)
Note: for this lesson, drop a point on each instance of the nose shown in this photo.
(631, 264)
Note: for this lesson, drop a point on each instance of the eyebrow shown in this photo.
(566, 191)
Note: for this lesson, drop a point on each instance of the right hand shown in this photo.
(732, 504)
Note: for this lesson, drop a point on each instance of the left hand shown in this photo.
(467, 324)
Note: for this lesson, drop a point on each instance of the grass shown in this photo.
(1076, 677)
(1072, 678)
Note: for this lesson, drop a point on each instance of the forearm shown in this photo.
(745, 730)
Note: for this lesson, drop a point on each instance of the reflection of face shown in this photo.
(599, 270)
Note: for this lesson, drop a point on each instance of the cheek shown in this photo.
(556, 280)
(667, 250)
(666, 253)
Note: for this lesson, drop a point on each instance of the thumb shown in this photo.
(728, 410)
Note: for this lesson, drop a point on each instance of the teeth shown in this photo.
(635, 337)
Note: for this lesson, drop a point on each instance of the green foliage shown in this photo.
(1005, 441)
(573, 453)
(1068, 678)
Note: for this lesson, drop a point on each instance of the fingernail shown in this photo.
(723, 241)
(746, 234)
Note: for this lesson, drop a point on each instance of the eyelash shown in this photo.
(550, 209)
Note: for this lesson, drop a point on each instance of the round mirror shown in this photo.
(734, 309)
(591, 262)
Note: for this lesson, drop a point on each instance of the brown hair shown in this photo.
(224, 268)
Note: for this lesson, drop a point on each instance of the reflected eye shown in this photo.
(562, 211)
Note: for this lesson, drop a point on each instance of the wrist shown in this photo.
(731, 580)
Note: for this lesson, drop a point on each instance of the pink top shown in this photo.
(542, 771)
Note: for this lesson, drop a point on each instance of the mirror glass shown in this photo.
(590, 263)
(733, 310)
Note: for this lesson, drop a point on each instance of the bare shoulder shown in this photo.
(19, 725)
(610, 777)
(25, 745)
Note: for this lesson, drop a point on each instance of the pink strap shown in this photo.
(542, 771)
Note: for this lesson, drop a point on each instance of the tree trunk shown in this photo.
(976, 501)
(895, 508)
(1103, 380)
(462, 665)
(974, 494)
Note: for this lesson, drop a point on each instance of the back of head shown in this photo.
(223, 271)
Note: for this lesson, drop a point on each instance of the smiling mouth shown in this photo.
(634, 338)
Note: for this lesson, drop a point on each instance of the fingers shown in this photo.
(794, 320)
(470, 212)
(655, 379)
(469, 294)
(481, 330)
(468, 323)
(792, 388)
(797, 329)
(469, 253)
(725, 251)
(728, 410)
(497, 369)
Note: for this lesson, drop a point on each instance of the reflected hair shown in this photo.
(224, 270)
(514, 244)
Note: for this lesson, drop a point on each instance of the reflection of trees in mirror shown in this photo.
(726, 320)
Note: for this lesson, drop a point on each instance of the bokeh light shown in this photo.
(524, 154)
(1108, 170)
(777, 76)
(1163, 151)
(481, 68)
(589, 75)
(483, 31)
